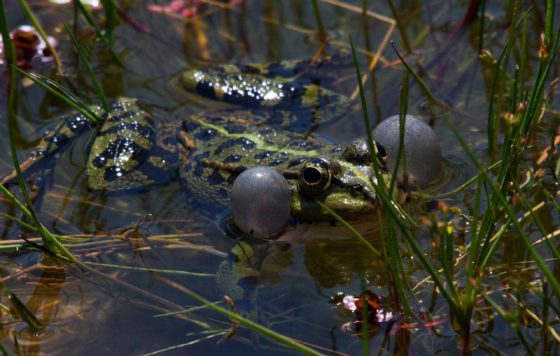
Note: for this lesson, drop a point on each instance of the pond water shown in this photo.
(294, 279)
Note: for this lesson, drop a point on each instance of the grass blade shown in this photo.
(271, 334)
(34, 324)
(49, 240)
(549, 22)
(111, 20)
(104, 37)
(82, 52)
(63, 94)
(450, 296)
(354, 232)
(320, 27)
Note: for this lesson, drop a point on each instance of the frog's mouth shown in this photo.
(350, 201)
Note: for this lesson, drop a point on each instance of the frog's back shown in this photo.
(224, 144)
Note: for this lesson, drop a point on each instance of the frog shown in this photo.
(277, 105)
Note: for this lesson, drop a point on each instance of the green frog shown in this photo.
(279, 104)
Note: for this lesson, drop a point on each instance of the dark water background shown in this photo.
(89, 314)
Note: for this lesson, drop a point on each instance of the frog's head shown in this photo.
(345, 181)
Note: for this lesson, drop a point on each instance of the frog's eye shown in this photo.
(314, 176)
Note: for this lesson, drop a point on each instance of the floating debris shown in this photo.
(30, 48)
(91, 3)
(376, 314)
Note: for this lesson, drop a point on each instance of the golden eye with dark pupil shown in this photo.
(314, 177)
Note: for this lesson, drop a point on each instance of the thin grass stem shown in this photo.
(82, 52)
(273, 335)
(50, 241)
(450, 296)
(400, 26)
(35, 325)
(152, 270)
(318, 19)
(20, 222)
(354, 232)
(111, 20)
(104, 37)
(482, 13)
(63, 94)
(549, 22)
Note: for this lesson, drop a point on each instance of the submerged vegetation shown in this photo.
(473, 267)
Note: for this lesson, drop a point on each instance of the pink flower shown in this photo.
(350, 303)
(175, 7)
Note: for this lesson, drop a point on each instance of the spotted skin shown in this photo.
(286, 86)
(211, 165)
(208, 151)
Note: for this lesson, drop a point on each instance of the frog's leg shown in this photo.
(237, 85)
(127, 153)
(69, 127)
(132, 150)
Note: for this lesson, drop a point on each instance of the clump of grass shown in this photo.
(489, 229)
(50, 241)
(396, 223)
(489, 226)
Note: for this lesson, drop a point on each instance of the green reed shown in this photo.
(394, 218)
(106, 35)
(392, 250)
(481, 16)
(549, 22)
(51, 243)
(65, 95)
(83, 53)
(320, 28)
(496, 221)
(20, 310)
(400, 26)
(111, 20)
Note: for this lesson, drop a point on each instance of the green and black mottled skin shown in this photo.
(208, 151)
